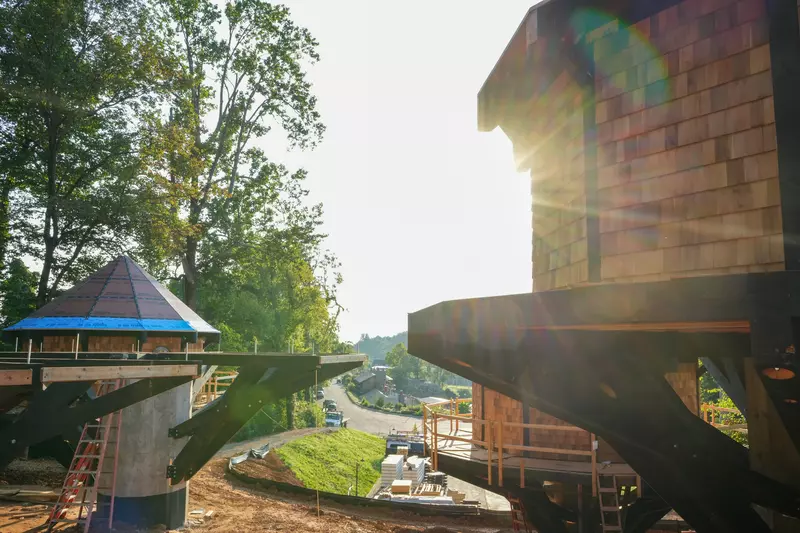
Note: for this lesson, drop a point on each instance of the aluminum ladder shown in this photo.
(86, 476)
(518, 520)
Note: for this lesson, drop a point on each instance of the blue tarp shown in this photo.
(100, 323)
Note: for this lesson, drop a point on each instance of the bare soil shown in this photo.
(271, 468)
(238, 508)
(44, 472)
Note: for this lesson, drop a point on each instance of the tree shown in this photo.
(403, 366)
(241, 71)
(19, 293)
(76, 76)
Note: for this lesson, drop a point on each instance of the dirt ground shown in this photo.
(238, 508)
(270, 467)
(241, 508)
(44, 472)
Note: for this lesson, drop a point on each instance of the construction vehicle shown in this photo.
(335, 419)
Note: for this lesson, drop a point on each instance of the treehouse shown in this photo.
(660, 142)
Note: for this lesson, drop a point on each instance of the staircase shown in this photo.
(86, 476)
(518, 521)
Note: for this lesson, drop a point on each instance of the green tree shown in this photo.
(241, 73)
(76, 78)
(403, 366)
(19, 293)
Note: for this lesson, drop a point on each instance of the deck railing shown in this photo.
(716, 416)
(435, 414)
(215, 387)
(446, 412)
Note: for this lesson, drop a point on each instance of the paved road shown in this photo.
(381, 423)
(368, 420)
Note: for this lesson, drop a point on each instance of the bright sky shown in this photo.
(419, 205)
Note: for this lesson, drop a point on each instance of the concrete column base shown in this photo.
(145, 511)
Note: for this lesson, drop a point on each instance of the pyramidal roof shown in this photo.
(121, 296)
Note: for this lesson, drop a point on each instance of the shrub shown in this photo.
(464, 408)
(364, 402)
(379, 402)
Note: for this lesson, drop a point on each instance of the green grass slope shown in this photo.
(327, 461)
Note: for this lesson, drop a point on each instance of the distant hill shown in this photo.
(378, 347)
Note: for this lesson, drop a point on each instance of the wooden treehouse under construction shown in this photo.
(112, 379)
(661, 139)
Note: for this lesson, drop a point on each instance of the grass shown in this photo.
(327, 461)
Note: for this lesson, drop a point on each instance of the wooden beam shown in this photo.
(15, 377)
(94, 373)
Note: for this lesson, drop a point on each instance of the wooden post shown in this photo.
(500, 454)
(451, 414)
(638, 486)
(77, 344)
(521, 472)
(489, 450)
(594, 465)
(435, 443)
(424, 430)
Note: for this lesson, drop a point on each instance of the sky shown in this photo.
(419, 206)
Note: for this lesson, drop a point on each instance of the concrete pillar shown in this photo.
(144, 496)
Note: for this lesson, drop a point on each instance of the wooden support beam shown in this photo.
(772, 451)
(15, 377)
(94, 373)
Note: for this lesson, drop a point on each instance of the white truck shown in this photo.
(335, 419)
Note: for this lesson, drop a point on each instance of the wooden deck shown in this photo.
(457, 447)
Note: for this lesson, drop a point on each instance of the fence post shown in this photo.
(500, 454)
(489, 450)
(435, 442)
(594, 465)
(424, 430)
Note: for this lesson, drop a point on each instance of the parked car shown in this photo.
(329, 405)
(320, 395)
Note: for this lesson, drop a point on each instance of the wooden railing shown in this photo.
(433, 415)
(215, 387)
(714, 414)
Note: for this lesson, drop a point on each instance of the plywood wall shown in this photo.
(558, 188)
(687, 165)
(113, 344)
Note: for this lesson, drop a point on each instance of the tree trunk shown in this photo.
(190, 273)
(290, 412)
(51, 213)
(5, 234)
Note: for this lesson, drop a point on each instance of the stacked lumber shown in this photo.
(401, 486)
(415, 470)
(391, 469)
(428, 489)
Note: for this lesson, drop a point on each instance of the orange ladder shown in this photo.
(86, 476)
(608, 495)
(518, 520)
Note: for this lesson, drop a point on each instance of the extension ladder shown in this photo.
(518, 520)
(610, 509)
(86, 476)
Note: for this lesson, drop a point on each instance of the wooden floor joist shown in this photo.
(94, 373)
(12, 377)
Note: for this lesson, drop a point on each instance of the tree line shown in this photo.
(142, 127)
